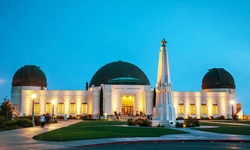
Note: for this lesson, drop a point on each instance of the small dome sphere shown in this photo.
(29, 75)
(122, 73)
(218, 78)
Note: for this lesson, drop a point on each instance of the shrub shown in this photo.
(179, 125)
(59, 117)
(24, 122)
(221, 117)
(2, 120)
(71, 117)
(204, 118)
(131, 122)
(180, 118)
(9, 124)
(37, 119)
(139, 122)
(191, 122)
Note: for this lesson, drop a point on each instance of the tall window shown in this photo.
(203, 109)
(192, 109)
(60, 108)
(48, 108)
(181, 109)
(36, 108)
(215, 109)
(84, 108)
(72, 108)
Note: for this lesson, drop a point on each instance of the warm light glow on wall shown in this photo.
(78, 106)
(33, 96)
(114, 103)
(66, 106)
(186, 107)
(53, 102)
(198, 106)
(209, 107)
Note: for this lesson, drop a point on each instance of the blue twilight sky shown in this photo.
(71, 40)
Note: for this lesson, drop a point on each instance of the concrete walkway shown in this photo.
(22, 138)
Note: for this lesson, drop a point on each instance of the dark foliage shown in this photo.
(6, 109)
(101, 102)
(191, 122)
(154, 98)
(139, 122)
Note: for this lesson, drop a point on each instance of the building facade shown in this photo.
(123, 88)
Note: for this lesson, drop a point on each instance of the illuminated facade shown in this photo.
(126, 90)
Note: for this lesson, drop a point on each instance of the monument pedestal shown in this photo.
(164, 116)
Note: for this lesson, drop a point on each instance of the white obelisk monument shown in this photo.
(163, 112)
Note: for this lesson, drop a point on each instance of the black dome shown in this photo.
(29, 75)
(218, 78)
(119, 72)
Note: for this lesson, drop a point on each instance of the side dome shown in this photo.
(29, 75)
(218, 78)
(122, 73)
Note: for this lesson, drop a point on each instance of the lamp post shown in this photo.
(232, 102)
(53, 114)
(33, 96)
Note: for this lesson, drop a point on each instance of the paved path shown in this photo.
(22, 138)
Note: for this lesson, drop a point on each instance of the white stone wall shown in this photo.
(143, 100)
(222, 99)
(46, 96)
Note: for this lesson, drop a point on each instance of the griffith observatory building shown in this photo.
(124, 88)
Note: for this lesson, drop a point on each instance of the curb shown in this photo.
(163, 141)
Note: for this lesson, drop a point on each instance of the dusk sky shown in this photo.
(71, 40)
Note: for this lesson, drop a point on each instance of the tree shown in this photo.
(101, 102)
(154, 98)
(6, 109)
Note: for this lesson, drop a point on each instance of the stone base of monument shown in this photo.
(163, 123)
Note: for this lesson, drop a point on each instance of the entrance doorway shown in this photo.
(127, 105)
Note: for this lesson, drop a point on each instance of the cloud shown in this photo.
(2, 81)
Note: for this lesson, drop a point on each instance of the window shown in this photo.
(84, 108)
(203, 109)
(36, 108)
(215, 109)
(48, 108)
(181, 109)
(60, 108)
(192, 109)
(72, 108)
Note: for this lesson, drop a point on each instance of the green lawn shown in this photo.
(102, 129)
(230, 121)
(216, 124)
(225, 128)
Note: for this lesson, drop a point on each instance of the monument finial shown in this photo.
(163, 42)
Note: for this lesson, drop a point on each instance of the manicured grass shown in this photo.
(102, 129)
(216, 124)
(225, 128)
(230, 121)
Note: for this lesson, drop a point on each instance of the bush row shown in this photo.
(139, 122)
(13, 124)
(206, 118)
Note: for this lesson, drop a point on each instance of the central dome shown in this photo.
(122, 73)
